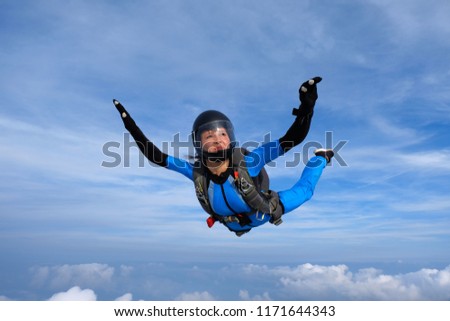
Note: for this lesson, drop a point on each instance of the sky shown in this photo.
(84, 217)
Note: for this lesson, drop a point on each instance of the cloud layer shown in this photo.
(242, 282)
(316, 282)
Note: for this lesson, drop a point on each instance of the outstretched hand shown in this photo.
(308, 92)
(120, 108)
(308, 96)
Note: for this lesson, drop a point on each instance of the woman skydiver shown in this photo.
(231, 183)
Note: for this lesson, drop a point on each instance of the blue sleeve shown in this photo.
(181, 166)
(262, 155)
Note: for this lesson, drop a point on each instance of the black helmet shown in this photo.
(207, 120)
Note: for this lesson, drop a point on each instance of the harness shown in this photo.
(254, 191)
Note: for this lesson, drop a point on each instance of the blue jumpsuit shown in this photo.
(223, 196)
(226, 200)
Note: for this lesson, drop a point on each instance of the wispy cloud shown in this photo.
(64, 275)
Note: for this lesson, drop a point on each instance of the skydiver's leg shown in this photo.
(303, 190)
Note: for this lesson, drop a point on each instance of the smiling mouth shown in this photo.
(217, 148)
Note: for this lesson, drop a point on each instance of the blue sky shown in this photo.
(377, 227)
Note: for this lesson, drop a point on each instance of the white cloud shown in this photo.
(75, 294)
(245, 296)
(337, 282)
(196, 296)
(92, 274)
(125, 297)
(126, 270)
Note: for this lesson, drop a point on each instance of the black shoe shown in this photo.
(325, 153)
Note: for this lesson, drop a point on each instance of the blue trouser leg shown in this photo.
(303, 190)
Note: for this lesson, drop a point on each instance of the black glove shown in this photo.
(129, 123)
(308, 96)
(120, 108)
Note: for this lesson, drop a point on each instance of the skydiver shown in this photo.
(231, 183)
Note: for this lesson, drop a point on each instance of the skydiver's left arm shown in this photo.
(300, 128)
(294, 135)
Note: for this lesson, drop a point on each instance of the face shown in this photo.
(215, 140)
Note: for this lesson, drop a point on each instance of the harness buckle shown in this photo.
(245, 186)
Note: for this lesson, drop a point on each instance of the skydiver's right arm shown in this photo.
(153, 153)
(149, 150)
